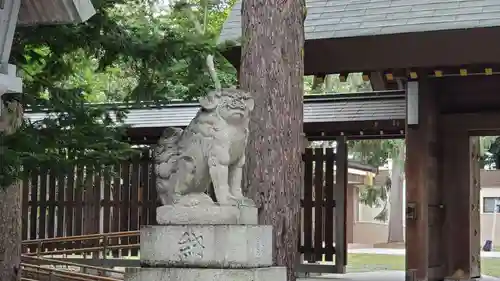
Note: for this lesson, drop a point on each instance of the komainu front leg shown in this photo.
(235, 178)
(218, 168)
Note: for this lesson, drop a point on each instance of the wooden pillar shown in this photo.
(475, 215)
(340, 206)
(422, 177)
(461, 189)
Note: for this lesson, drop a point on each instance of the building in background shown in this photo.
(369, 231)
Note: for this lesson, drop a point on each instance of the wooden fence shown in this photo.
(123, 197)
(90, 200)
(323, 218)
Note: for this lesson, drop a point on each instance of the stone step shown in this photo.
(211, 246)
(206, 274)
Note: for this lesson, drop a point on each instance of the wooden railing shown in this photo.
(102, 245)
(32, 272)
(81, 267)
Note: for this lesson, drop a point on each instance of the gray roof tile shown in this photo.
(351, 18)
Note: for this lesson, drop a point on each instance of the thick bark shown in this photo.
(10, 232)
(396, 229)
(272, 70)
(10, 207)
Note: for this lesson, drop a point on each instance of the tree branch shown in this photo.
(210, 58)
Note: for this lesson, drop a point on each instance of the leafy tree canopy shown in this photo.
(128, 51)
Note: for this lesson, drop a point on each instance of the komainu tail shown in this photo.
(166, 154)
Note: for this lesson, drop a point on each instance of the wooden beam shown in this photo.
(477, 46)
(378, 81)
(483, 121)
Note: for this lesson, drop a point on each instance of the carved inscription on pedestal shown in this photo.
(191, 245)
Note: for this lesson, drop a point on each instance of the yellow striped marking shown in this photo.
(463, 72)
(438, 73)
(488, 71)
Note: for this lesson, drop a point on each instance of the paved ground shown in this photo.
(381, 274)
(373, 276)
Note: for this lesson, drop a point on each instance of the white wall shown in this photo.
(367, 230)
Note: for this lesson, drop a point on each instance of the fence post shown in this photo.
(39, 248)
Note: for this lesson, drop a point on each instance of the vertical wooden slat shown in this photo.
(51, 214)
(106, 202)
(34, 203)
(134, 200)
(97, 187)
(125, 200)
(61, 204)
(88, 206)
(69, 201)
(25, 204)
(330, 204)
(79, 189)
(117, 183)
(144, 187)
(318, 203)
(307, 206)
(340, 206)
(42, 220)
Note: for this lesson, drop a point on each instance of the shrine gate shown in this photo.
(444, 54)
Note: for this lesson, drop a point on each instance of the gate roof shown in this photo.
(401, 33)
(389, 105)
(360, 115)
(350, 18)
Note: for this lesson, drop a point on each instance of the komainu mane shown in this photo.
(209, 152)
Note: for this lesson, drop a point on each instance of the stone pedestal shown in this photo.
(210, 243)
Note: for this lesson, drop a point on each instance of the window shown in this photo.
(490, 204)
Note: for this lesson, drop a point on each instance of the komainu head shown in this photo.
(232, 105)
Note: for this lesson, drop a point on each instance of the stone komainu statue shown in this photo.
(209, 152)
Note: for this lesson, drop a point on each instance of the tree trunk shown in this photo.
(10, 232)
(272, 69)
(396, 229)
(10, 207)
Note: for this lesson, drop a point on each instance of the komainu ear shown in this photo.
(209, 102)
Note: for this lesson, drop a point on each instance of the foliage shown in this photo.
(372, 152)
(331, 84)
(376, 196)
(127, 51)
(490, 152)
